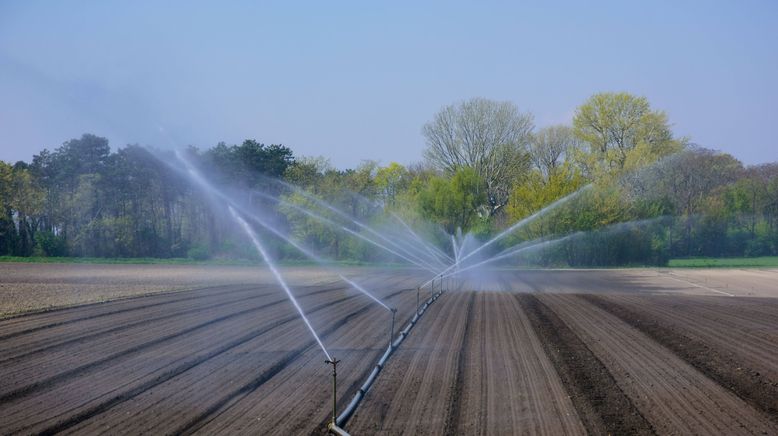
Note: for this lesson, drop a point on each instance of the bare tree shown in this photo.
(686, 180)
(550, 146)
(488, 136)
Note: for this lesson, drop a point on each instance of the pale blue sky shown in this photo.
(357, 80)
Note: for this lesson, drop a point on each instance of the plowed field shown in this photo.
(522, 352)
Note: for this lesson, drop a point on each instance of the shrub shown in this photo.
(199, 252)
(50, 244)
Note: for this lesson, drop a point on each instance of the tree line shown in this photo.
(485, 166)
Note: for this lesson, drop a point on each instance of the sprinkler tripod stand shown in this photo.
(333, 425)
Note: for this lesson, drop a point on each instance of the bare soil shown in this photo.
(219, 350)
(601, 404)
(29, 287)
(728, 341)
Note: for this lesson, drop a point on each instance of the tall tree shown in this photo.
(7, 228)
(249, 162)
(487, 136)
(685, 181)
(622, 131)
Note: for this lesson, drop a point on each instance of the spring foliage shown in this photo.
(485, 167)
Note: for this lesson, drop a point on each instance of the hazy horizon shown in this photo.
(353, 82)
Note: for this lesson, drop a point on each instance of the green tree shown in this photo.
(247, 164)
(540, 190)
(307, 172)
(7, 229)
(454, 202)
(27, 202)
(622, 132)
(390, 180)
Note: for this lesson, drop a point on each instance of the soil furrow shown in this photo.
(124, 396)
(108, 360)
(104, 314)
(749, 339)
(181, 369)
(359, 380)
(601, 404)
(146, 322)
(75, 339)
(235, 359)
(288, 404)
(749, 385)
(63, 315)
(232, 397)
(410, 395)
(456, 391)
(671, 394)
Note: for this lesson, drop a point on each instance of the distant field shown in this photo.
(179, 261)
(122, 260)
(695, 262)
(724, 262)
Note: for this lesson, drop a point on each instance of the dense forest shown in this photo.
(643, 195)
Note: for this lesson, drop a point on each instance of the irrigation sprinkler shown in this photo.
(418, 289)
(391, 330)
(334, 362)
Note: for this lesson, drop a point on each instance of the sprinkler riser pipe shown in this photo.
(334, 362)
(391, 330)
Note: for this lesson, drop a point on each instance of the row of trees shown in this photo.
(486, 166)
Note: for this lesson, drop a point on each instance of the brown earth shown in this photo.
(230, 358)
(27, 287)
(619, 379)
(220, 350)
